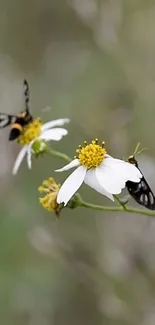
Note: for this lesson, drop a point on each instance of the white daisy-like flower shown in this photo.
(38, 133)
(105, 174)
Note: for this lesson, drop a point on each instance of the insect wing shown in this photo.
(141, 191)
(6, 120)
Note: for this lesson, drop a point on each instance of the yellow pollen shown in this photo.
(48, 202)
(50, 189)
(91, 155)
(30, 132)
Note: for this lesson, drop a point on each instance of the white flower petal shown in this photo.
(54, 123)
(71, 185)
(128, 171)
(109, 180)
(73, 163)
(91, 180)
(113, 174)
(19, 159)
(29, 155)
(53, 134)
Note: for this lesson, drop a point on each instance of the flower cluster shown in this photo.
(94, 166)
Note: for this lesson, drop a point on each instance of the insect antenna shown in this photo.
(26, 94)
(137, 151)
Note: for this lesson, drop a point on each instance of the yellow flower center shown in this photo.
(91, 155)
(51, 189)
(30, 132)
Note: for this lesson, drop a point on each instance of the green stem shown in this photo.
(119, 202)
(99, 207)
(59, 154)
(116, 208)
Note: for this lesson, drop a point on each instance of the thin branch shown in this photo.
(117, 208)
(59, 154)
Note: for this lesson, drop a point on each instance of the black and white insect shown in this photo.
(19, 121)
(141, 191)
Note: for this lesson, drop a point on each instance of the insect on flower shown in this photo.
(105, 174)
(17, 122)
(31, 133)
(141, 191)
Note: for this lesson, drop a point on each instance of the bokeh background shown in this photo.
(94, 62)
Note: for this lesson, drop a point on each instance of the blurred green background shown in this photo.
(94, 62)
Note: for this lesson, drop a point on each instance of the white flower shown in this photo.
(100, 171)
(35, 131)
